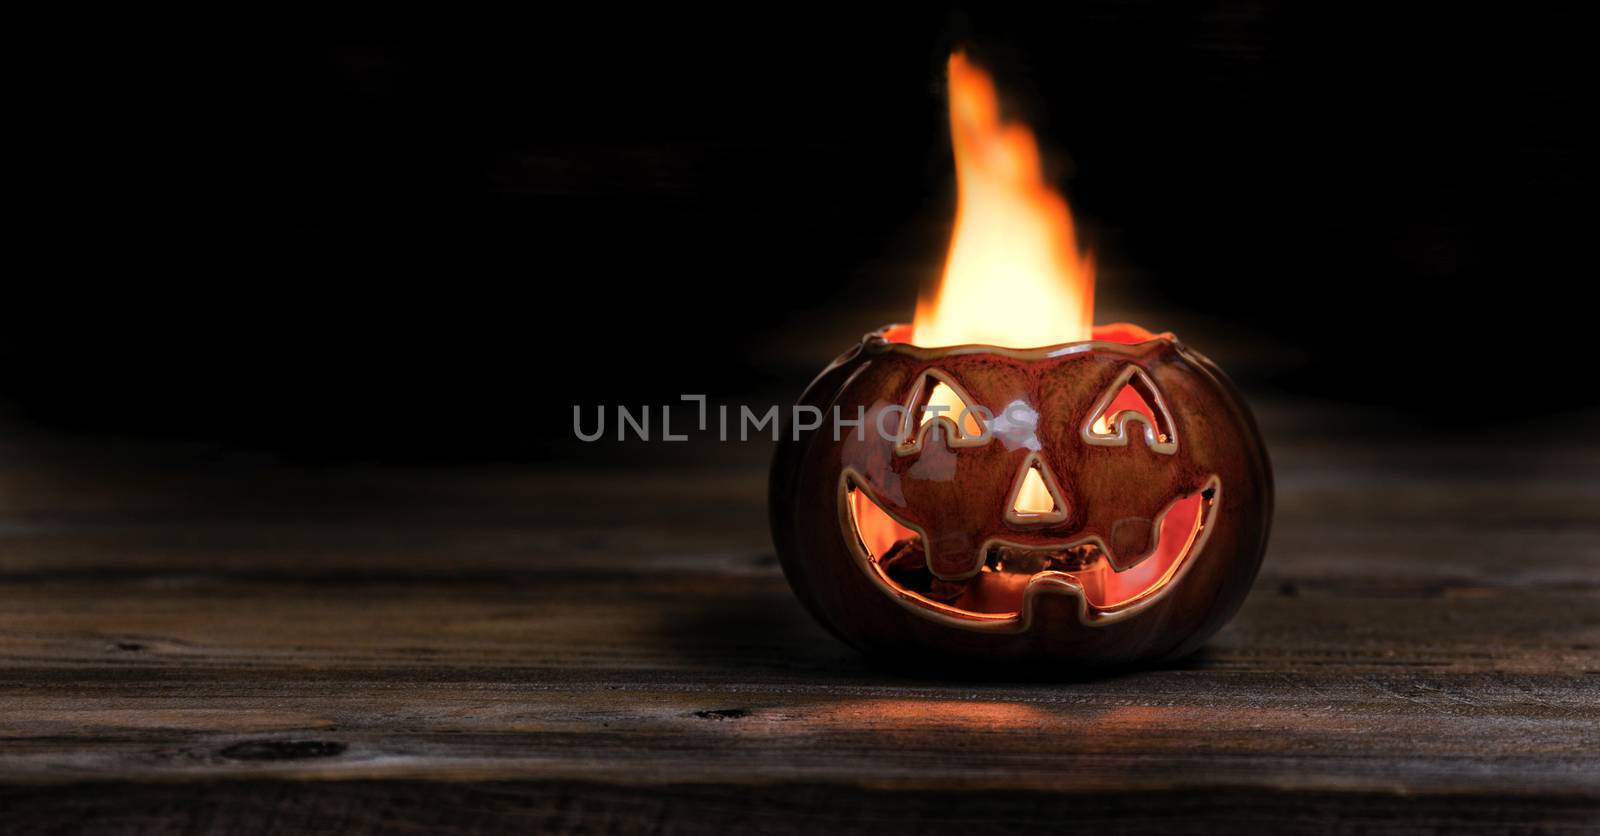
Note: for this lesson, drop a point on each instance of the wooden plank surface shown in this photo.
(202, 641)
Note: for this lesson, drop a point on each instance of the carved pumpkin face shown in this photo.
(1101, 501)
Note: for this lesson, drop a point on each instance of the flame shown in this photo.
(1014, 276)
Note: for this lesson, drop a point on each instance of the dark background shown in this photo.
(429, 238)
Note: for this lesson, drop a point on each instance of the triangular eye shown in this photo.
(937, 396)
(1131, 399)
(1128, 399)
(968, 422)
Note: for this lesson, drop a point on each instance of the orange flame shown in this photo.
(1014, 276)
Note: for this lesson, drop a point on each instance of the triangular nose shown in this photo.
(1035, 496)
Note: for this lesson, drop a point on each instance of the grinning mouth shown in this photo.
(1012, 573)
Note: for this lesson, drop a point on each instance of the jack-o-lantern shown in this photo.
(1103, 502)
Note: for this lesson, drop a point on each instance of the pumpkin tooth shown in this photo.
(907, 565)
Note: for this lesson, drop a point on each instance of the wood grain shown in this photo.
(195, 641)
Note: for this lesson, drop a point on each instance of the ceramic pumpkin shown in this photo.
(1103, 502)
